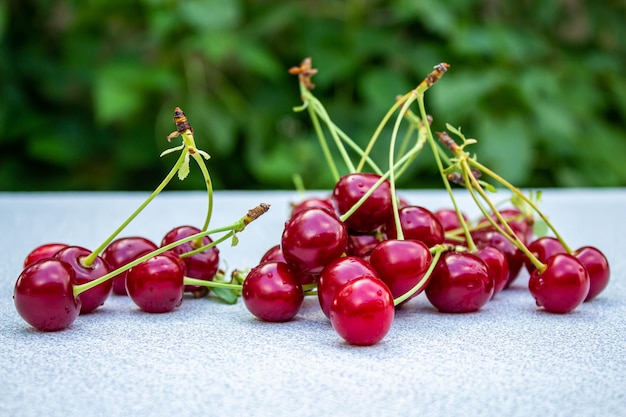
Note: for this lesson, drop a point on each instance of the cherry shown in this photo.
(362, 311)
(543, 248)
(271, 292)
(460, 283)
(522, 225)
(122, 251)
(497, 265)
(401, 264)
(362, 244)
(325, 203)
(202, 265)
(274, 253)
(418, 223)
(43, 251)
(374, 212)
(597, 267)
(336, 273)
(514, 256)
(44, 297)
(450, 221)
(561, 286)
(156, 285)
(96, 296)
(312, 238)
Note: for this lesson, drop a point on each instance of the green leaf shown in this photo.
(183, 171)
(226, 295)
(540, 228)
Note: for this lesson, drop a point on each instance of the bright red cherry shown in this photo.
(514, 256)
(325, 203)
(401, 264)
(44, 295)
(156, 285)
(374, 212)
(362, 311)
(93, 297)
(521, 224)
(336, 274)
(312, 238)
(123, 251)
(271, 292)
(543, 248)
(274, 253)
(418, 223)
(497, 265)
(362, 244)
(597, 267)
(450, 221)
(562, 286)
(203, 265)
(460, 283)
(44, 251)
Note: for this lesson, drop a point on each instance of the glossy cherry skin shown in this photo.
(44, 251)
(203, 265)
(123, 251)
(401, 264)
(336, 274)
(44, 295)
(497, 265)
(450, 221)
(520, 224)
(96, 296)
(362, 311)
(319, 202)
(514, 256)
(312, 238)
(418, 223)
(374, 212)
(156, 285)
(597, 267)
(362, 244)
(460, 283)
(562, 286)
(272, 293)
(274, 253)
(543, 248)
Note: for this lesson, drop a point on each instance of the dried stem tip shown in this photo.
(255, 213)
(448, 142)
(436, 74)
(304, 72)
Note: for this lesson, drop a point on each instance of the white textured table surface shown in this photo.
(207, 358)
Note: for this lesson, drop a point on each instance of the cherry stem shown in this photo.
(525, 198)
(438, 250)
(88, 260)
(191, 147)
(238, 226)
(215, 284)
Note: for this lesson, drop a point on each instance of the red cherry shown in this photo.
(520, 224)
(497, 265)
(450, 221)
(272, 293)
(418, 223)
(543, 248)
(203, 265)
(156, 285)
(597, 267)
(362, 311)
(562, 286)
(336, 274)
(514, 256)
(312, 238)
(93, 297)
(274, 253)
(44, 295)
(401, 264)
(460, 283)
(123, 251)
(44, 251)
(374, 212)
(361, 244)
(325, 203)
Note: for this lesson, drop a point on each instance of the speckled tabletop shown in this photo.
(208, 358)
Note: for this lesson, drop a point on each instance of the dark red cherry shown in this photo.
(123, 251)
(274, 253)
(362, 311)
(156, 285)
(93, 297)
(597, 267)
(361, 244)
(497, 265)
(450, 221)
(562, 286)
(418, 223)
(401, 264)
(271, 292)
(460, 283)
(543, 248)
(514, 256)
(44, 251)
(374, 212)
(312, 238)
(521, 224)
(203, 265)
(44, 295)
(319, 202)
(338, 272)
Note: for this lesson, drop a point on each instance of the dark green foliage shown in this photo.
(88, 88)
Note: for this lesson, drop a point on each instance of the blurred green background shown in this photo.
(88, 87)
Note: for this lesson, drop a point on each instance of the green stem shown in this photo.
(191, 147)
(438, 249)
(322, 139)
(215, 284)
(88, 260)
